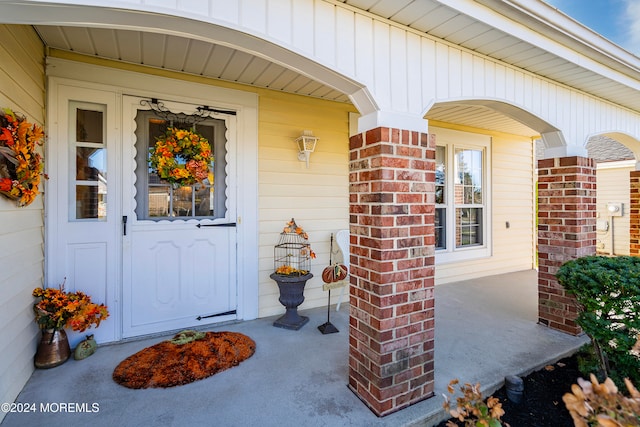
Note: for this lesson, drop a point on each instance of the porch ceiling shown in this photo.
(433, 17)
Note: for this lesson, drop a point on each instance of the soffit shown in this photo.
(480, 117)
(184, 55)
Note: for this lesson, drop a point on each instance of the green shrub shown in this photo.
(588, 361)
(608, 294)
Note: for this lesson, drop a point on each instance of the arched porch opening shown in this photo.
(562, 214)
(617, 224)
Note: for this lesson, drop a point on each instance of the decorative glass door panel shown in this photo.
(159, 199)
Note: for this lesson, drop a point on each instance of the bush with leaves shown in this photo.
(602, 405)
(471, 407)
(608, 294)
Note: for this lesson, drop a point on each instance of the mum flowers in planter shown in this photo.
(181, 157)
(20, 164)
(58, 309)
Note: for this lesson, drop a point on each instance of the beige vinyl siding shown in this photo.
(21, 229)
(318, 197)
(613, 186)
(512, 200)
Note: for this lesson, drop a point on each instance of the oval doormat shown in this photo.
(181, 361)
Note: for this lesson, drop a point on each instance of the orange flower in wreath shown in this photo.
(20, 164)
(181, 157)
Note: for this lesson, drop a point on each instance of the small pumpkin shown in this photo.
(327, 274)
(86, 348)
(334, 273)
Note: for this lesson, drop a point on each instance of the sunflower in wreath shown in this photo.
(21, 164)
(181, 157)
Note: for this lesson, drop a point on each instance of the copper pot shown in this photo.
(53, 349)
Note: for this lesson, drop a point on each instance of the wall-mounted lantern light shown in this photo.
(306, 145)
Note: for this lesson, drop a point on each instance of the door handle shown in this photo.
(124, 225)
(226, 224)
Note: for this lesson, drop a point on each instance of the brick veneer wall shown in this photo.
(392, 207)
(566, 230)
(634, 213)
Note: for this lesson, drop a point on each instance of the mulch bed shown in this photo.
(542, 405)
(167, 364)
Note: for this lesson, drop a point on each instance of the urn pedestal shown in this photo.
(291, 296)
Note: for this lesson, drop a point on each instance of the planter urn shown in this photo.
(291, 296)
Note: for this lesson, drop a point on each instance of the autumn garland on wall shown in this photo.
(20, 164)
(181, 157)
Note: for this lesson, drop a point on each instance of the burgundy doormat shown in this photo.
(188, 357)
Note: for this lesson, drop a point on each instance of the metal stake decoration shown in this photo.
(327, 327)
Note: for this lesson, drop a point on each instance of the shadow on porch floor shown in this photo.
(485, 329)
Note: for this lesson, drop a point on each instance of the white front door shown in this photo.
(179, 244)
(166, 272)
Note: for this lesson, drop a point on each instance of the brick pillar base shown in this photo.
(392, 205)
(566, 231)
(634, 213)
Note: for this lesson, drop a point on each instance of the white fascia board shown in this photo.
(551, 16)
(619, 164)
(534, 22)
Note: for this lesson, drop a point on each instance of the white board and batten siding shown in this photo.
(21, 229)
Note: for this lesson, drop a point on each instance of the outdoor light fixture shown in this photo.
(306, 144)
(614, 208)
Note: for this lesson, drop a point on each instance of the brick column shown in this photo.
(566, 231)
(634, 213)
(392, 206)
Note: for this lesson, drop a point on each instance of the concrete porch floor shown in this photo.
(485, 330)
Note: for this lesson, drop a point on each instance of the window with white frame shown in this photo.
(462, 195)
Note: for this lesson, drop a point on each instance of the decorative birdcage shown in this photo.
(292, 255)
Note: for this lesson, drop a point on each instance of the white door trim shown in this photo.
(119, 82)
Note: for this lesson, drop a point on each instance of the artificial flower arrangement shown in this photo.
(293, 252)
(181, 157)
(58, 309)
(20, 164)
